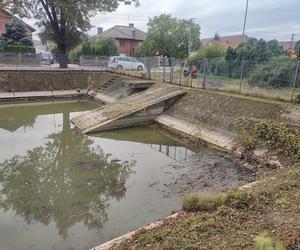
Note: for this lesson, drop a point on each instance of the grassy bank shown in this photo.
(262, 216)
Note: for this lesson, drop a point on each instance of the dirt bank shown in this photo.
(242, 222)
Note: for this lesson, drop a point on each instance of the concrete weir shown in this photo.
(134, 110)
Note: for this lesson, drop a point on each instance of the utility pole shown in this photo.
(292, 41)
(245, 20)
(243, 39)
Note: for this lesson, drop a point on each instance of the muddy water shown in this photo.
(63, 190)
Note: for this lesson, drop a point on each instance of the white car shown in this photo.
(47, 57)
(125, 62)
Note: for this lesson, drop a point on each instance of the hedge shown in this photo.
(17, 49)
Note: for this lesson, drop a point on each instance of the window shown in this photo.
(122, 43)
(123, 59)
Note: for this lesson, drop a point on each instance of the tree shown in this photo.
(217, 37)
(169, 37)
(210, 51)
(65, 181)
(15, 34)
(62, 20)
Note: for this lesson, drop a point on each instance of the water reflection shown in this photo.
(64, 181)
(178, 154)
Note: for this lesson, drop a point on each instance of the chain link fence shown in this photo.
(276, 79)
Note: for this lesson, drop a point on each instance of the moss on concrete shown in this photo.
(55, 80)
(218, 111)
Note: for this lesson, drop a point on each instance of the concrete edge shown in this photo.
(216, 139)
(116, 241)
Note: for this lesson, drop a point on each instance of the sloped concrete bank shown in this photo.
(18, 81)
(212, 116)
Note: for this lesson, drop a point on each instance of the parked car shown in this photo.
(47, 57)
(125, 62)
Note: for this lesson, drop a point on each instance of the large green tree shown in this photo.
(169, 36)
(15, 33)
(63, 20)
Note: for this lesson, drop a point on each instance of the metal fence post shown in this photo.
(204, 74)
(164, 69)
(242, 76)
(172, 70)
(149, 68)
(180, 73)
(295, 80)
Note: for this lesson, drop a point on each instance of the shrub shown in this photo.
(190, 203)
(238, 199)
(276, 135)
(100, 46)
(17, 49)
(195, 203)
(210, 51)
(278, 72)
(265, 242)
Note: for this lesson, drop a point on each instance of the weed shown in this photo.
(265, 242)
(275, 135)
(238, 199)
(195, 203)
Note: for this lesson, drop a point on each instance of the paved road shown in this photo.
(53, 67)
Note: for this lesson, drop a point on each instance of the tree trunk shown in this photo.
(62, 56)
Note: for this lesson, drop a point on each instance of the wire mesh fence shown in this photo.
(277, 79)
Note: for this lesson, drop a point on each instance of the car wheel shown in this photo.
(120, 67)
(140, 68)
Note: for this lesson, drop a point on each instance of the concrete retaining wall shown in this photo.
(56, 80)
(219, 111)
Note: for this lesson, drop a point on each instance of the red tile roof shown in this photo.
(225, 41)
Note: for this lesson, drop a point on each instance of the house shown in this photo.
(7, 17)
(128, 38)
(225, 41)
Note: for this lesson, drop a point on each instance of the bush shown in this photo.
(238, 199)
(210, 51)
(100, 46)
(276, 73)
(276, 135)
(17, 49)
(196, 203)
(265, 242)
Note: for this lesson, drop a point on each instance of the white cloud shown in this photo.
(266, 18)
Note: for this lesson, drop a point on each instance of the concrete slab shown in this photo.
(146, 105)
(12, 96)
(212, 137)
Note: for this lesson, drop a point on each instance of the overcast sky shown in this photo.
(266, 18)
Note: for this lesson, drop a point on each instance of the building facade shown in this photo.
(7, 17)
(128, 38)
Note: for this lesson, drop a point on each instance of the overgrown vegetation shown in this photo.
(233, 198)
(265, 63)
(265, 242)
(100, 46)
(261, 218)
(273, 134)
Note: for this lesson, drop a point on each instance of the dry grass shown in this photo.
(272, 208)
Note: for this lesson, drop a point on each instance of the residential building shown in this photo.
(128, 38)
(226, 41)
(7, 17)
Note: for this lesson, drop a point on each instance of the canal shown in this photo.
(60, 189)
